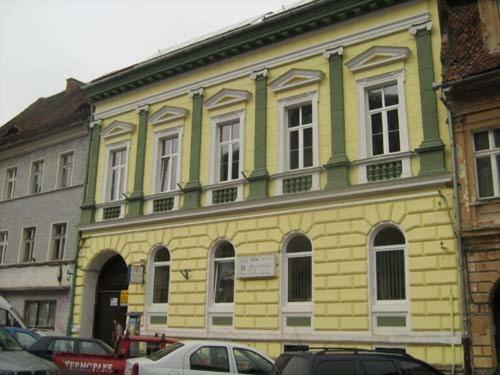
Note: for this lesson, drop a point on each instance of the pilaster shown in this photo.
(88, 205)
(258, 179)
(431, 150)
(337, 167)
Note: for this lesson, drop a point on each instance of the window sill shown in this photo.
(485, 201)
(224, 192)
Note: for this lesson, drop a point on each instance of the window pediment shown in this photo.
(377, 56)
(117, 128)
(226, 97)
(295, 78)
(166, 114)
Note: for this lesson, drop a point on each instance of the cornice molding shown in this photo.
(117, 128)
(296, 78)
(167, 114)
(377, 56)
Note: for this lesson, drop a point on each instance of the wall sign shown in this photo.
(113, 301)
(135, 274)
(261, 266)
(124, 297)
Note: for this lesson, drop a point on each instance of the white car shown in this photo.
(202, 358)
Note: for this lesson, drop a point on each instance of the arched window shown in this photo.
(297, 281)
(222, 285)
(389, 279)
(161, 275)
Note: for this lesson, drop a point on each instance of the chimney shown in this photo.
(72, 84)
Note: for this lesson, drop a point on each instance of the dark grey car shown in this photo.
(14, 359)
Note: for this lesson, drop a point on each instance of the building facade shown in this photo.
(43, 153)
(283, 183)
(471, 72)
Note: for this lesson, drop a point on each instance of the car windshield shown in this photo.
(165, 351)
(7, 343)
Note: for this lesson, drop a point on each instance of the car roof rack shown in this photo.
(328, 350)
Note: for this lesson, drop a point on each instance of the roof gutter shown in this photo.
(470, 79)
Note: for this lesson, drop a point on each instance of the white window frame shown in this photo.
(365, 141)
(61, 166)
(492, 152)
(157, 309)
(8, 182)
(110, 148)
(213, 174)
(219, 309)
(32, 177)
(295, 309)
(22, 244)
(4, 243)
(52, 239)
(390, 307)
(283, 152)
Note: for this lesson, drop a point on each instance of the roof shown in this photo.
(464, 52)
(58, 111)
(257, 32)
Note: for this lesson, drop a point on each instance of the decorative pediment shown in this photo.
(377, 56)
(166, 113)
(226, 97)
(295, 78)
(117, 128)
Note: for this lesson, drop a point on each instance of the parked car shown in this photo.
(46, 346)
(14, 359)
(205, 357)
(351, 362)
(105, 364)
(24, 336)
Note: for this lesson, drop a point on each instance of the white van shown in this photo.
(9, 317)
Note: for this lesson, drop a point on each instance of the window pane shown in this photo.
(165, 162)
(224, 160)
(308, 148)
(389, 236)
(93, 348)
(391, 95)
(481, 141)
(496, 134)
(30, 313)
(225, 250)
(52, 314)
(390, 275)
(379, 368)
(224, 282)
(63, 346)
(162, 255)
(375, 99)
(293, 117)
(43, 314)
(235, 130)
(297, 366)
(330, 367)
(249, 362)
(377, 137)
(484, 177)
(415, 368)
(24, 339)
(173, 173)
(307, 114)
(175, 142)
(225, 131)
(299, 279)
(210, 358)
(161, 280)
(298, 244)
(236, 161)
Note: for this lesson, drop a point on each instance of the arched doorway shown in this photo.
(113, 278)
(496, 320)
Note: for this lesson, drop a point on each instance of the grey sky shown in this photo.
(43, 42)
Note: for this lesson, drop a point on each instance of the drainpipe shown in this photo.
(461, 259)
(69, 324)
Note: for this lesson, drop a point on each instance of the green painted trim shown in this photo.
(192, 190)
(286, 25)
(258, 177)
(338, 164)
(88, 205)
(69, 322)
(431, 149)
(135, 201)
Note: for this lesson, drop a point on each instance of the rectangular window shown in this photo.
(228, 150)
(299, 136)
(36, 177)
(169, 154)
(66, 169)
(4, 236)
(58, 241)
(487, 155)
(10, 183)
(299, 279)
(40, 314)
(383, 107)
(118, 165)
(28, 244)
(390, 275)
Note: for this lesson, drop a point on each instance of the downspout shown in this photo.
(461, 259)
(69, 324)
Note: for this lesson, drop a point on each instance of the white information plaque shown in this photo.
(260, 266)
(135, 274)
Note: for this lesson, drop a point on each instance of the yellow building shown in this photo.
(282, 183)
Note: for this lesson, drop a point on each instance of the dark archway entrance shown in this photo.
(496, 320)
(113, 278)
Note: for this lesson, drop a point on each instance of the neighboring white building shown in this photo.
(43, 153)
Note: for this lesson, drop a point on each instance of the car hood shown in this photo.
(21, 360)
